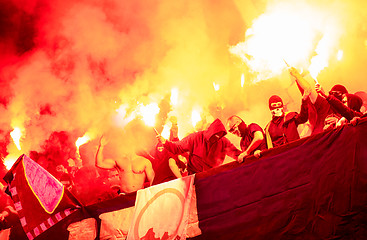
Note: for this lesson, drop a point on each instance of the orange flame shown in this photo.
(195, 117)
(166, 131)
(82, 140)
(216, 87)
(174, 96)
(121, 118)
(321, 60)
(289, 31)
(340, 55)
(9, 161)
(148, 113)
(16, 135)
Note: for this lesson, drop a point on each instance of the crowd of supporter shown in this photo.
(199, 151)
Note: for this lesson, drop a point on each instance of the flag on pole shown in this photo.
(162, 211)
(39, 198)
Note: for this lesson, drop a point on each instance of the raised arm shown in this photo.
(320, 90)
(100, 161)
(303, 84)
(302, 117)
(343, 110)
(178, 147)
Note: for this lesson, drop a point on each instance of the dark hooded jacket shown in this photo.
(353, 109)
(160, 164)
(204, 154)
(282, 130)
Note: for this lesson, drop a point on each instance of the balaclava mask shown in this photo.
(276, 106)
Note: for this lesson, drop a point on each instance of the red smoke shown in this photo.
(66, 66)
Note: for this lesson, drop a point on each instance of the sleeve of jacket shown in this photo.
(231, 150)
(180, 147)
(302, 117)
(343, 110)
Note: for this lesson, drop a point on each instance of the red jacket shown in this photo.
(343, 110)
(283, 130)
(204, 155)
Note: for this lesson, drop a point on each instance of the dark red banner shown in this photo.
(314, 188)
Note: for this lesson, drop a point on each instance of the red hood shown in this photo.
(216, 127)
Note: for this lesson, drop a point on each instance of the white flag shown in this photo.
(162, 211)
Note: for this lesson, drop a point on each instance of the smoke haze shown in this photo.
(70, 65)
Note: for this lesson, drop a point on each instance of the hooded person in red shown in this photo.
(252, 135)
(322, 115)
(348, 107)
(166, 165)
(282, 128)
(207, 149)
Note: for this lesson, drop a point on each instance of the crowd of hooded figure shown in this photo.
(208, 148)
(203, 150)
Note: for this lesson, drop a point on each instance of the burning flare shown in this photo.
(290, 30)
(166, 131)
(16, 135)
(174, 96)
(148, 113)
(216, 87)
(195, 117)
(82, 140)
(121, 118)
(242, 80)
(340, 55)
(10, 160)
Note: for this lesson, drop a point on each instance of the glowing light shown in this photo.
(121, 111)
(242, 80)
(292, 31)
(321, 60)
(16, 135)
(195, 117)
(166, 131)
(216, 86)
(121, 118)
(148, 113)
(79, 142)
(174, 96)
(249, 32)
(9, 161)
(340, 55)
(82, 140)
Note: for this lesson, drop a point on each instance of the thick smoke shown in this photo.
(67, 66)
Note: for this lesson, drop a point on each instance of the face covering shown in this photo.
(215, 138)
(275, 102)
(277, 112)
(238, 128)
(276, 106)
